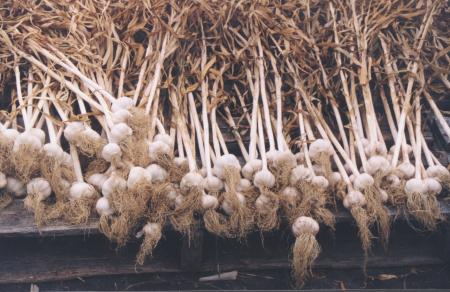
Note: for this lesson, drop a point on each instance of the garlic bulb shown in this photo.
(354, 198)
(335, 178)
(111, 151)
(213, 183)
(103, 207)
(180, 161)
(157, 173)
(152, 229)
(138, 175)
(285, 159)
(299, 174)
(433, 186)
(251, 167)
(80, 190)
(53, 150)
(38, 133)
(91, 134)
(378, 164)
(305, 225)
(122, 103)
(264, 178)
(363, 181)
(228, 208)
(291, 194)
(244, 185)
(438, 172)
(73, 130)
(120, 132)
(405, 170)
(393, 180)
(164, 138)
(40, 188)
(120, 116)
(320, 182)
(225, 161)
(113, 183)
(26, 139)
(320, 147)
(191, 180)
(97, 180)
(158, 148)
(15, 187)
(3, 180)
(262, 201)
(209, 202)
(10, 135)
(270, 155)
(415, 185)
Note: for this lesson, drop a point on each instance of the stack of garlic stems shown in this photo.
(243, 116)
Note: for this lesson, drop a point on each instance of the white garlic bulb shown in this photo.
(103, 207)
(111, 151)
(264, 178)
(73, 130)
(80, 190)
(157, 173)
(15, 187)
(120, 132)
(138, 175)
(305, 225)
(40, 188)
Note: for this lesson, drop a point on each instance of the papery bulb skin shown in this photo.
(305, 225)
(244, 185)
(285, 159)
(405, 170)
(26, 139)
(157, 173)
(10, 135)
(415, 186)
(192, 180)
(111, 151)
(3, 180)
(103, 207)
(300, 174)
(320, 182)
(438, 172)
(120, 116)
(164, 138)
(363, 181)
(38, 133)
(15, 187)
(320, 147)
(209, 202)
(40, 188)
(97, 180)
(80, 190)
(264, 178)
(251, 167)
(433, 186)
(158, 148)
(225, 161)
(137, 176)
(73, 130)
(91, 133)
(122, 103)
(113, 183)
(152, 229)
(354, 198)
(120, 132)
(335, 178)
(378, 164)
(213, 183)
(53, 150)
(291, 194)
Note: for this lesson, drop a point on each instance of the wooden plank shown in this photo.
(15, 220)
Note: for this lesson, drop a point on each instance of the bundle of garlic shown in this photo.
(170, 114)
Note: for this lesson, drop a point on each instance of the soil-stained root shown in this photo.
(152, 235)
